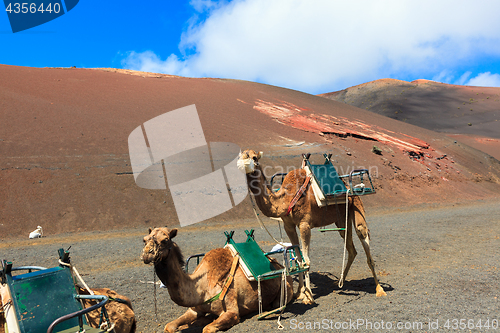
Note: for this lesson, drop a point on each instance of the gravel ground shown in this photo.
(439, 267)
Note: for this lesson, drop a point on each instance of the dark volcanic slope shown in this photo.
(436, 106)
(64, 160)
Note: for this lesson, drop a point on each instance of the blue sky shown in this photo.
(308, 45)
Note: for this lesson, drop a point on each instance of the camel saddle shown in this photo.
(329, 187)
(255, 263)
(45, 299)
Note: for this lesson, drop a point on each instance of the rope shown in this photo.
(3, 307)
(104, 326)
(341, 282)
(283, 280)
(279, 225)
(75, 271)
(280, 326)
(284, 294)
(260, 295)
(155, 252)
(262, 225)
(154, 293)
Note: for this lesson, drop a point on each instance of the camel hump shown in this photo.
(297, 174)
(295, 178)
(111, 294)
(218, 263)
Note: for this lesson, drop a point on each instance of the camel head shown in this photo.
(158, 244)
(248, 160)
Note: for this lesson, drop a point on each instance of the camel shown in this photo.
(193, 290)
(119, 309)
(305, 215)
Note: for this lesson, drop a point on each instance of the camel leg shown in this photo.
(187, 318)
(364, 236)
(351, 250)
(366, 246)
(225, 321)
(305, 236)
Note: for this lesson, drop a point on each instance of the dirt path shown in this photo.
(439, 266)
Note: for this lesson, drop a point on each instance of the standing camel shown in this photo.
(306, 214)
(208, 279)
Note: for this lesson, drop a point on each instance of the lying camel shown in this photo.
(193, 290)
(119, 309)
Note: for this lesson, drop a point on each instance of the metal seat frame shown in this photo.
(42, 298)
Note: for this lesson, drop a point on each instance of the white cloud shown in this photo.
(463, 78)
(320, 46)
(207, 5)
(485, 80)
(149, 62)
(445, 76)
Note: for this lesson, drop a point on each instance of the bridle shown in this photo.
(255, 160)
(155, 250)
(157, 247)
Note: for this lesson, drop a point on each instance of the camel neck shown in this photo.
(181, 287)
(266, 200)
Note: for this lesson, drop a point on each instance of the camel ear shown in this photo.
(261, 153)
(173, 233)
(150, 231)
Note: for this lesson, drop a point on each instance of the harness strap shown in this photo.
(228, 282)
(230, 277)
(298, 195)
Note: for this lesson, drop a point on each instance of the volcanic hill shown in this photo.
(65, 162)
(468, 114)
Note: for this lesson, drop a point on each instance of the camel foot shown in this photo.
(308, 300)
(306, 297)
(225, 321)
(170, 328)
(380, 291)
(298, 295)
(210, 329)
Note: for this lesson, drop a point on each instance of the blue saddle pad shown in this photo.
(328, 179)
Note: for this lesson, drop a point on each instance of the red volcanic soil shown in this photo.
(472, 112)
(488, 145)
(65, 162)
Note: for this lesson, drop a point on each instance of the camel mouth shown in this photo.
(147, 259)
(149, 255)
(246, 165)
